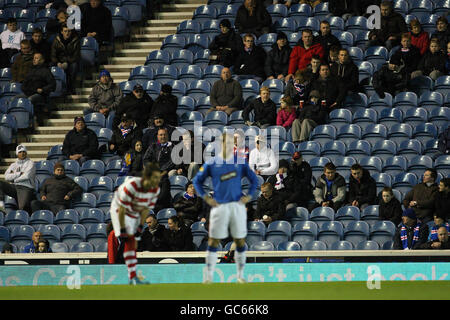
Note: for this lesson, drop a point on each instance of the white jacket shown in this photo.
(12, 39)
(263, 160)
(22, 173)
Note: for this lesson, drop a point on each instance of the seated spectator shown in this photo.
(56, 192)
(252, 17)
(344, 8)
(166, 105)
(362, 188)
(444, 142)
(310, 116)
(447, 62)
(411, 233)
(287, 113)
(66, 52)
(53, 26)
(408, 53)
(124, 136)
(439, 221)
(188, 161)
(34, 243)
(285, 185)
(80, 143)
(331, 90)
(43, 246)
(164, 198)
(298, 89)
(250, 61)
(440, 243)
(442, 202)
(346, 71)
(302, 174)
(419, 38)
(161, 151)
(392, 77)
(277, 60)
(133, 161)
(178, 237)
(442, 33)
(432, 63)
(136, 105)
(240, 150)
(225, 46)
(23, 62)
(19, 181)
(37, 86)
(326, 38)
(105, 95)
(421, 197)
(333, 55)
(313, 68)
(152, 238)
(392, 26)
(151, 134)
(190, 206)
(226, 93)
(330, 189)
(270, 205)
(389, 206)
(302, 53)
(262, 159)
(11, 38)
(264, 109)
(8, 248)
(96, 21)
(39, 44)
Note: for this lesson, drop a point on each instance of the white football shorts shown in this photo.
(131, 220)
(230, 216)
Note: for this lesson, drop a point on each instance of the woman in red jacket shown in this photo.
(419, 38)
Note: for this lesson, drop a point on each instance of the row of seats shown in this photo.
(317, 245)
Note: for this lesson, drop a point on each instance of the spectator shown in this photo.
(389, 206)
(37, 86)
(136, 105)
(39, 44)
(287, 113)
(166, 105)
(298, 89)
(252, 17)
(302, 53)
(19, 180)
(301, 172)
(135, 160)
(34, 243)
(333, 55)
(344, 8)
(53, 26)
(240, 150)
(442, 202)
(284, 184)
(226, 93)
(43, 246)
(178, 237)
(362, 188)
(7, 248)
(392, 26)
(66, 52)
(124, 136)
(152, 238)
(346, 71)
(330, 189)
(442, 33)
(310, 116)
(419, 38)
(189, 160)
(432, 63)
(56, 192)
(105, 95)
(411, 233)
(115, 246)
(313, 68)
(331, 90)
(440, 243)
(447, 62)
(164, 198)
(444, 142)
(264, 109)
(270, 205)
(326, 38)
(80, 143)
(225, 46)
(262, 159)
(23, 62)
(11, 38)
(277, 60)
(151, 134)
(96, 21)
(422, 196)
(190, 206)
(249, 63)
(161, 151)
(439, 221)
(408, 53)
(392, 78)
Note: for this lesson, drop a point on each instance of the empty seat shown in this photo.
(341, 245)
(315, 246)
(73, 234)
(382, 231)
(347, 214)
(82, 247)
(330, 232)
(59, 247)
(410, 148)
(357, 232)
(368, 245)
(92, 169)
(289, 246)
(374, 133)
(278, 231)
(384, 149)
(163, 215)
(21, 235)
(370, 214)
(16, 218)
(256, 231)
(372, 164)
(41, 217)
(321, 215)
(262, 246)
(419, 164)
(87, 200)
(323, 133)
(304, 232)
(349, 133)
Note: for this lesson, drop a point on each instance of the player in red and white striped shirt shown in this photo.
(130, 206)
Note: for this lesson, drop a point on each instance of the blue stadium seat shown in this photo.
(135, 9)
(278, 231)
(364, 117)
(425, 132)
(368, 245)
(390, 116)
(440, 117)
(315, 245)
(163, 215)
(55, 152)
(356, 54)
(71, 168)
(336, 23)
(179, 87)
(356, 232)
(300, 10)
(408, 99)
(91, 217)
(204, 13)
(256, 231)
(289, 246)
(12, 89)
(294, 38)
(197, 42)
(104, 202)
(377, 55)
(83, 182)
(16, 218)
(4, 236)
(410, 148)
(330, 232)
(341, 245)
(415, 116)
(388, 245)
(374, 133)
(158, 58)
(323, 133)
(166, 73)
(92, 168)
(276, 86)
(309, 149)
(403, 182)
(401, 6)
(358, 149)
(262, 246)
(285, 24)
(188, 119)
(201, 57)
(317, 165)
(431, 149)
(333, 148)
(346, 38)
(51, 233)
(349, 133)
(441, 7)
(370, 215)
(312, 23)
(87, 200)
(22, 109)
(189, 27)
(442, 164)
(400, 132)
(354, 101)
(358, 23)
(340, 117)
(152, 88)
(190, 73)
(198, 89)
(21, 235)
(89, 51)
(296, 214)
(44, 169)
(82, 247)
(59, 247)
(321, 215)
(372, 164)
(304, 232)
(120, 21)
(384, 149)
(73, 234)
(277, 11)
(395, 165)
(343, 164)
(236, 120)
(185, 104)
(101, 185)
(347, 214)
(95, 120)
(173, 43)
(421, 84)
(420, 6)
(66, 217)
(382, 231)
(141, 73)
(41, 217)
(419, 164)
(321, 10)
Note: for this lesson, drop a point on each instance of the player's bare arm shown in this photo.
(210, 201)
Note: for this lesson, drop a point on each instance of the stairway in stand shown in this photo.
(128, 55)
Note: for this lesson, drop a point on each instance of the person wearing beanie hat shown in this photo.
(105, 95)
(392, 77)
(137, 105)
(277, 60)
(411, 233)
(19, 181)
(166, 105)
(225, 46)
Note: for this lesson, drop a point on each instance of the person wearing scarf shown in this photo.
(438, 223)
(124, 135)
(299, 89)
(190, 206)
(411, 233)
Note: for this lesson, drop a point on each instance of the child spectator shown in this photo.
(389, 206)
(419, 38)
(432, 63)
(11, 38)
(286, 115)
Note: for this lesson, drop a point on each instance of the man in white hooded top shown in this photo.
(262, 159)
(20, 181)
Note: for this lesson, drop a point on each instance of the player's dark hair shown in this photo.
(149, 168)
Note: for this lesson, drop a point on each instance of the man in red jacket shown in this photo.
(302, 53)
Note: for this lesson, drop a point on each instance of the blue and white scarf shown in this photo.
(404, 236)
(125, 131)
(188, 197)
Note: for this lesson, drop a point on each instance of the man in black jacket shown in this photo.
(362, 189)
(270, 205)
(56, 192)
(161, 151)
(136, 105)
(330, 88)
(265, 110)
(441, 243)
(96, 21)
(391, 78)
(166, 105)
(150, 135)
(152, 238)
(346, 71)
(80, 143)
(124, 136)
(225, 46)
(249, 64)
(277, 60)
(252, 17)
(302, 174)
(326, 38)
(408, 53)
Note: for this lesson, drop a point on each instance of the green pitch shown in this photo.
(390, 290)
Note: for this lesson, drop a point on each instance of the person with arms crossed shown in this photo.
(228, 204)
